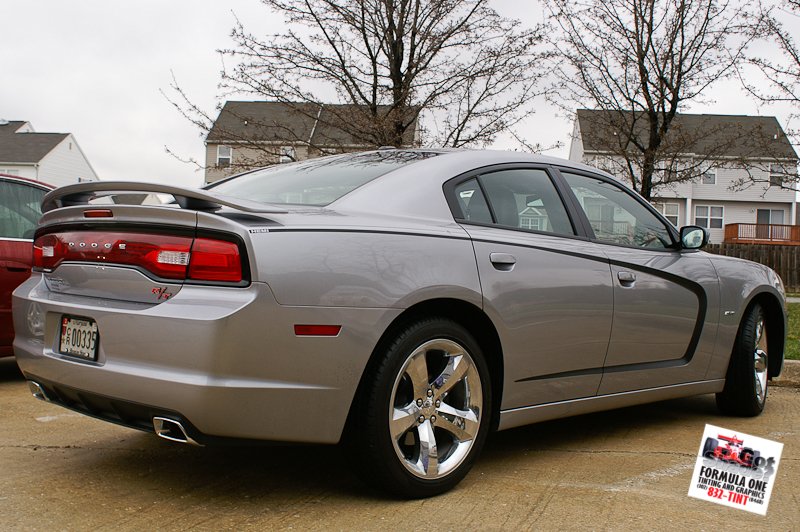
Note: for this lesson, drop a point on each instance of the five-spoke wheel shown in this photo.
(436, 408)
(423, 413)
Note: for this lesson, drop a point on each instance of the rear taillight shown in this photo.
(165, 256)
(215, 260)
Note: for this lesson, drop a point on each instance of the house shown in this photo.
(249, 135)
(53, 158)
(742, 169)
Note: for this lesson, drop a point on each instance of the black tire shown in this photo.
(741, 396)
(385, 461)
(709, 447)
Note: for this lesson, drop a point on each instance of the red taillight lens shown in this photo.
(165, 256)
(215, 260)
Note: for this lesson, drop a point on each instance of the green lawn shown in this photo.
(793, 340)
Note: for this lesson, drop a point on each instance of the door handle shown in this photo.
(503, 261)
(17, 267)
(626, 278)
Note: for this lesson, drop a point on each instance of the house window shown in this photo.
(669, 210)
(708, 216)
(769, 216)
(781, 174)
(287, 154)
(709, 177)
(531, 219)
(224, 156)
(603, 162)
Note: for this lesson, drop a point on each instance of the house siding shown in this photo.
(27, 171)
(65, 164)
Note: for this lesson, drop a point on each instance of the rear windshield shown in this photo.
(316, 182)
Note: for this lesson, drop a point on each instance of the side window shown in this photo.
(616, 216)
(473, 204)
(20, 209)
(525, 198)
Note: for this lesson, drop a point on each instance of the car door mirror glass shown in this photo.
(693, 237)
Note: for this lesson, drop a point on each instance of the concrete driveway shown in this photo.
(626, 469)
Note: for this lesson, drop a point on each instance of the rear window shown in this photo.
(316, 182)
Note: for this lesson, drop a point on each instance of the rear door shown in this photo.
(19, 213)
(665, 299)
(548, 290)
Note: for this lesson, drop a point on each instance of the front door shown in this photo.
(666, 300)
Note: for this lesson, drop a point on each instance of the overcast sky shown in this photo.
(95, 68)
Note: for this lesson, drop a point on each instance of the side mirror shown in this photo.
(693, 237)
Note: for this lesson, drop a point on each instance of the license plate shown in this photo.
(78, 337)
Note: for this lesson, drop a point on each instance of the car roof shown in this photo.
(415, 190)
(9, 177)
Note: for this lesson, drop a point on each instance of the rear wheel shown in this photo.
(745, 389)
(424, 413)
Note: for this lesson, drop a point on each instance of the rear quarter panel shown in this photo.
(366, 268)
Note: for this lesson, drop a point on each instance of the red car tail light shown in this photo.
(215, 260)
(165, 256)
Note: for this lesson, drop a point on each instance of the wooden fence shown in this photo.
(783, 259)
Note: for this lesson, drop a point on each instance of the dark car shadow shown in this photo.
(261, 474)
(9, 371)
(266, 474)
(581, 430)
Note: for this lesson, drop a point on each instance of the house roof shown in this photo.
(26, 147)
(293, 122)
(704, 134)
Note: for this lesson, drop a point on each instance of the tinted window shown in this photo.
(318, 181)
(526, 199)
(472, 202)
(20, 209)
(616, 216)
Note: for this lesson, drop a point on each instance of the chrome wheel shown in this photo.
(760, 361)
(435, 408)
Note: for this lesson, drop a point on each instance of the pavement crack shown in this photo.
(616, 451)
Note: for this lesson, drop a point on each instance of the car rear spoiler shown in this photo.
(187, 198)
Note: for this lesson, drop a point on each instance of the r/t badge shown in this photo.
(161, 293)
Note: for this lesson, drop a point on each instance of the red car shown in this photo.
(20, 210)
(731, 450)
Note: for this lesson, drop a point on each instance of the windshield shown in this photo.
(316, 182)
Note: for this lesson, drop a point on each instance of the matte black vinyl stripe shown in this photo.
(639, 366)
(564, 374)
(368, 231)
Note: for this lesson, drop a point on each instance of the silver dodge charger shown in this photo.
(402, 302)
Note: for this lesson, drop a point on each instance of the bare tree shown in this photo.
(471, 71)
(783, 75)
(640, 62)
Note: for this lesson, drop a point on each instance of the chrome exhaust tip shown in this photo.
(171, 430)
(37, 391)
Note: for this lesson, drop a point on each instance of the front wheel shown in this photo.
(424, 412)
(745, 389)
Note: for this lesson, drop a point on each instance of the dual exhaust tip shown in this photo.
(164, 427)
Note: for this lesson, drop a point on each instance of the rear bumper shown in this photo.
(225, 360)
